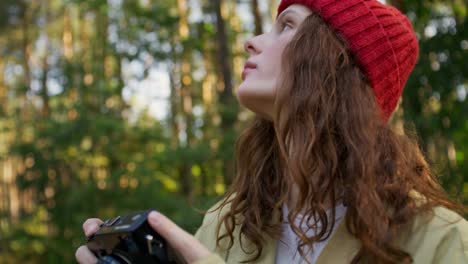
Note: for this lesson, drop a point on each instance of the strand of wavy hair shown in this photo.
(328, 139)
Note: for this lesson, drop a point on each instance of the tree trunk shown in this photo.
(67, 35)
(185, 171)
(45, 67)
(398, 4)
(3, 89)
(228, 106)
(22, 111)
(257, 18)
(272, 8)
(26, 47)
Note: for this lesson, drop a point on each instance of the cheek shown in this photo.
(272, 62)
(258, 90)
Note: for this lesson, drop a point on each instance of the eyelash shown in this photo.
(283, 24)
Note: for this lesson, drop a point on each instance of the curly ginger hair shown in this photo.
(328, 138)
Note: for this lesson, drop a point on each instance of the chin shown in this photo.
(255, 106)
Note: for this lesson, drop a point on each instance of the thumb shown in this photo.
(181, 241)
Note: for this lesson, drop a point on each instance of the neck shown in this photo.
(294, 197)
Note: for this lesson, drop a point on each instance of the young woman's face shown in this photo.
(263, 68)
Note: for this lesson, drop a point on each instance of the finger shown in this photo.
(84, 256)
(181, 241)
(91, 225)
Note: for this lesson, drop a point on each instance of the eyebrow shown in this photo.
(285, 13)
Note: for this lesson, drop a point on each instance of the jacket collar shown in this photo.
(347, 244)
(342, 239)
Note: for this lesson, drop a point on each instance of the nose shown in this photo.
(251, 47)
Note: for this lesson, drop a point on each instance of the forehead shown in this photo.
(296, 9)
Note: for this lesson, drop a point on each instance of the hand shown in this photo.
(83, 255)
(181, 241)
(184, 243)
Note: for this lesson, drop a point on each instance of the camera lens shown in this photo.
(108, 260)
(115, 258)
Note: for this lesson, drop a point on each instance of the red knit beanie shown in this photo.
(381, 39)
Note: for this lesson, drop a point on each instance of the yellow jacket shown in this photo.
(441, 239)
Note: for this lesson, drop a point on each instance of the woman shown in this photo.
(319, 172)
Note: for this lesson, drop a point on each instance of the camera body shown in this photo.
(130, 239)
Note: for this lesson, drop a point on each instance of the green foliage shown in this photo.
(435, 97)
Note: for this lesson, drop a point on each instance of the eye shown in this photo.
(285, 25)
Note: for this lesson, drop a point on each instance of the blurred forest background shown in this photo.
(122, 105)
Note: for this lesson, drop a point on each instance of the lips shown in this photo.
(249, 66)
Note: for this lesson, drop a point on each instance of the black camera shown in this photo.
(130, 239)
